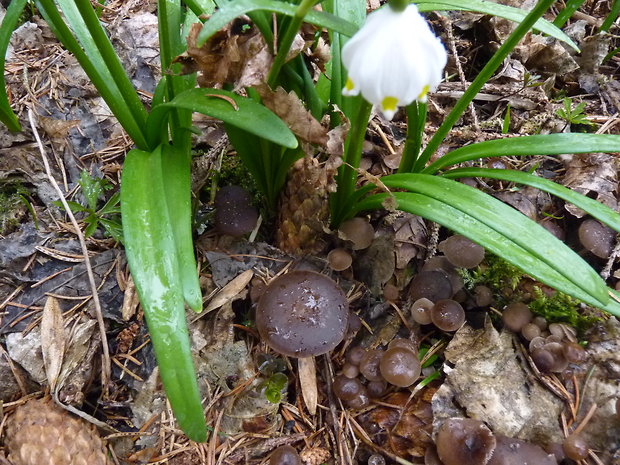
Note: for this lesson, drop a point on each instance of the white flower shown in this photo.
(393, 59)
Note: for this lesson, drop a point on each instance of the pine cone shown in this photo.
(40, 432)
(304, 207)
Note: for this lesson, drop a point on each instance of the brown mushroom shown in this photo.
(432, 285)
(234, 213)
(516, 316)
(462, 252)
(302, 313)
(597, 238)
(463, 441)
(448, 315)
(510, 451)
(400, 366)
(285, 455)
(339, 259)
(357, 230)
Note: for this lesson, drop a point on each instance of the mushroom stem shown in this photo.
(307, 379)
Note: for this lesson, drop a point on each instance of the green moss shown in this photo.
(495, 273)
(12, 207)
(560, 308)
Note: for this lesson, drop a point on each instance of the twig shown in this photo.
(106, 364)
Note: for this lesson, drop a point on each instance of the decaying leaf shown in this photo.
(410, 237)
(291, 109)
(595, 173)
(52, 340)
(230, 291)
(490, 382)
(237, 54)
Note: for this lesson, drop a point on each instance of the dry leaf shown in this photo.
(307, 380)
(291, 109)
(230, 291)
(52, 340)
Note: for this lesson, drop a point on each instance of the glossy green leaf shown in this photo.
(241, 7)
(599, 211)
(543, 144)
(11, 17)
(151, 254)
(504, 219)
(495, 9)
(231, 108)
(176, 164)
(469, 226)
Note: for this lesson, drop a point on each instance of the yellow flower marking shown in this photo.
(389, 104)
(422, 95)
(349, 86)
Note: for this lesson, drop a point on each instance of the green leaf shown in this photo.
(92, 223)
(113, 228)
(92, 189)
(241, 7)
(463, 223)
(233, 109)
(111, 206)
(11, 17)
(505, 220)
(596, 209)
(74, 206)
(545, 144)
(176, 164)
(496, 9)
(151, 254)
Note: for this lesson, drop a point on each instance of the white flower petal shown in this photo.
(394, 59)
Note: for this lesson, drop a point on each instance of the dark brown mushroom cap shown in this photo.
(510, 451)
(302, 313)
(576, 447)
(462, 252)
(234, 213)
(597, 238)
(463, 441)
(432, 285)
(400, 366)
(448, 315)
(516, 315)
(339, 259)
(285, 455)
(357, 230)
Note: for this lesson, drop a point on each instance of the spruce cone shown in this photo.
(304, 207)
(40, 432)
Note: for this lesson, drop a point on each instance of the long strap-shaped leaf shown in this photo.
(469, 226)
(540, 144)
(11, 17)
(495, 9)
(151, 253)
(233, 109)
(241, 7)
(596, 209)
(504, 219)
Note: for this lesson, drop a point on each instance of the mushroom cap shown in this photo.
(433, 285)
(339, 259)
(597, 238)
(516, 315)
(357, 230)
(462, 252)
(400, 366)
(463, 441)
(448, 315)
(234, 214)
(510, 451)
(302, 313)
(285, 455)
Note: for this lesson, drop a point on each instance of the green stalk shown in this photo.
(416, 119)
(112, 61)
(287, 40)
(347, 173)
(496, 60)
(611, 17)
(567, 12)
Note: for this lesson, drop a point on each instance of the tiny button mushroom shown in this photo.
(597, 238)
(357, 230)
(302, 313)
(234, 214)
(510, 451)
(463, 441)
(462, 252)
(516, 315)
(433, 285)
(448, 315)
(575, 447)
(339, 259)
(285, 455)
(400, 366)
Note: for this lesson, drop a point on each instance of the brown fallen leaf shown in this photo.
(291, 109)
(230, 291)
(307, 380)
(53, 340)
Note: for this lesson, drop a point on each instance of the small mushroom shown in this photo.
(339, 259)
(357, 230)
(346, 388)
(234, 214)
(462, 252)
(433, 285)
(516, 315)
(510, 451)
(597, 238)
(448, 315)
(400, 366)
(464, 441)
(302, 313)
(285, 455)
(576, 447)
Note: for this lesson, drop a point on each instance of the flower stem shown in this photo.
(416, 119)
(287, 40)
(347, 174)
(484, 75)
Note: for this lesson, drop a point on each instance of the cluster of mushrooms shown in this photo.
(304, 313)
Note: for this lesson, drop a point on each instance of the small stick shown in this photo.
(106, 364)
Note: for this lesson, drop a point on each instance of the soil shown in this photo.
(257, 400)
